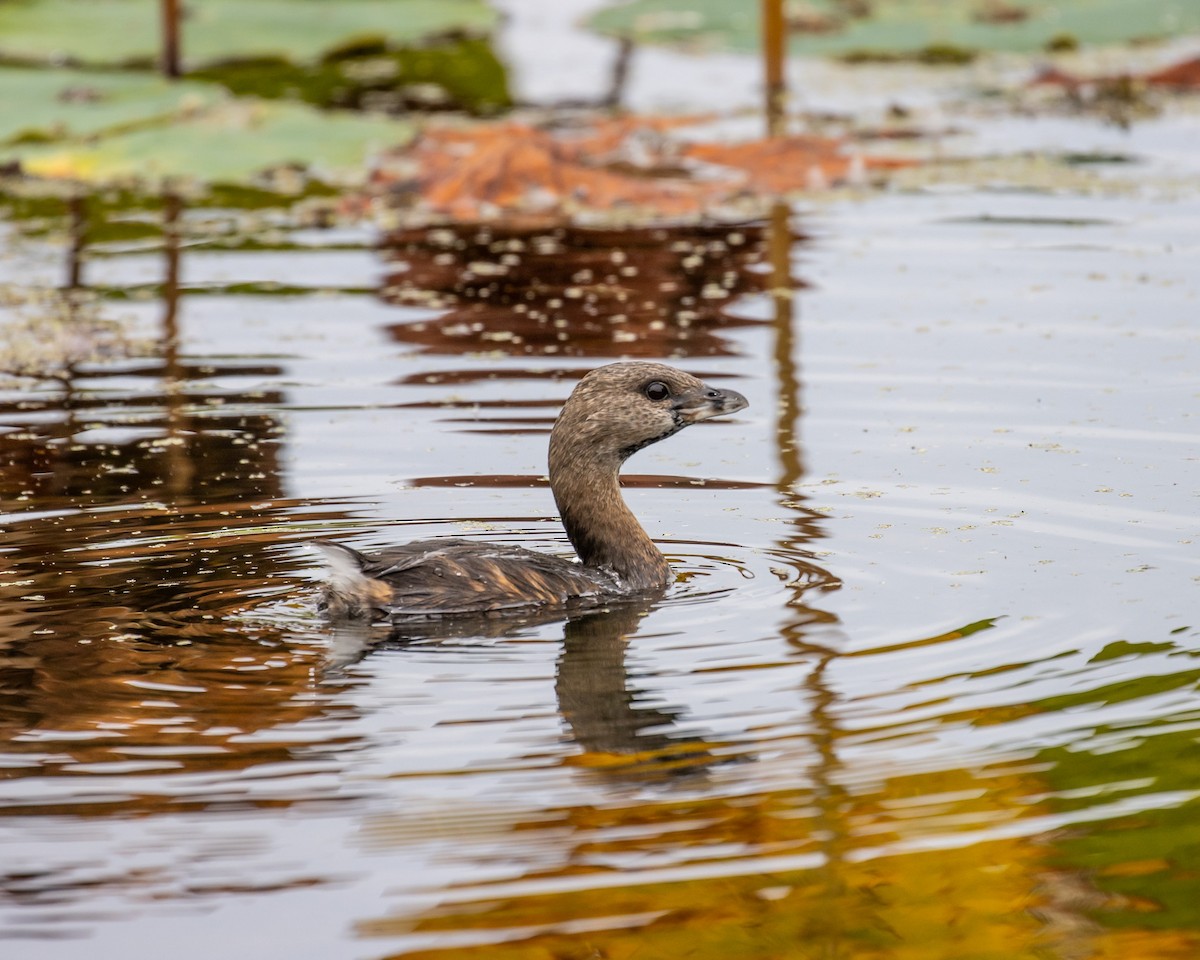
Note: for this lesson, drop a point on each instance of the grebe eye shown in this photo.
(656, 390)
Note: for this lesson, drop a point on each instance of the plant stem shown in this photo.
(774, 33)
(170, 39)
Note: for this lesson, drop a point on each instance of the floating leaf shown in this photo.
(117, 32)
(231, 141)
(835, 27)
(46, 105)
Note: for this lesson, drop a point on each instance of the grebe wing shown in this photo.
(433, 578)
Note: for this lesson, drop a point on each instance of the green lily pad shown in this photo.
(904, 27)
(122, 32)
(229, 142)
(39, 106)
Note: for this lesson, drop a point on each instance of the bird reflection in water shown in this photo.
(619, 723)
(608, 716)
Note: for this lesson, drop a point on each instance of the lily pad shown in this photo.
(825, 27)
(39, 106)
(230, 142)
(123, 32)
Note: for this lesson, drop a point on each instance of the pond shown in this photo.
(925, 685)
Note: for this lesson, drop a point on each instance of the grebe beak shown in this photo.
(706, 402)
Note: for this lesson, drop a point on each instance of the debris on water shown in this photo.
(52, 332)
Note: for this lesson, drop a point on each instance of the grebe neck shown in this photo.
(599, 524)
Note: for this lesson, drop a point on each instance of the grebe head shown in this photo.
(618, 409)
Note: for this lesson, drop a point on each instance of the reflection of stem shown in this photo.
(77, 213)
(787, 370)
(788, 408)
(828, 798)
(620, 74)
(61, 468)
(827, 794)
(77, 229)
(180, 469)
(774, 34)
(172, 207)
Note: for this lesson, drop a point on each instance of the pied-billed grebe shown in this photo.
(612, 413)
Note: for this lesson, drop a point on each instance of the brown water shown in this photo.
(926, 686)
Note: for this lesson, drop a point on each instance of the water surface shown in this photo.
(926, 685)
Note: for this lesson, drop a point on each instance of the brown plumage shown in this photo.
(612, 413)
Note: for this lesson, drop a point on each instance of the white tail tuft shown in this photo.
(345, 567)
